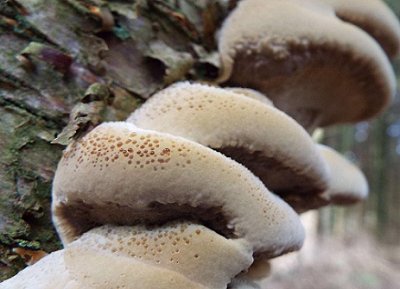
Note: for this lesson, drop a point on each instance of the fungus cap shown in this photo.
(120, 174)
(190, 250)
(374, 17)
(81, 270)
(259, 269)
(179, 255)
(313, 66)
(347, 184)
(254, 94)
(262, 138)
(121, 272)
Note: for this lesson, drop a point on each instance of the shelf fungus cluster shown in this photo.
(322, 62)
(202, 185)
(164, 194)
(252, 131)
(136, 204)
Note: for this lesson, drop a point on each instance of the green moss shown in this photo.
(27, 164)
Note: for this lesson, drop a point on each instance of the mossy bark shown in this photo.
(67, 65)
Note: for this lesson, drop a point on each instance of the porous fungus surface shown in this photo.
(171, 256)
(119, 174)
(194, 251)
(265, 140)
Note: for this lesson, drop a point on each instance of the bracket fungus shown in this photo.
(181, 255)
(142, 203)
(259, 136)
(254, 94)
(315, 67)
(374, 17)
(259, 269)
(347, 184)
(191, 250)
(120, 174)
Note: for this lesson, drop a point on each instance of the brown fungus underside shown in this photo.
(82, 217)
(291, 184)
(311, 64)
(333, 95)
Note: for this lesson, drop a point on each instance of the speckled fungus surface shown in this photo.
(119, 174)
(191, 250)
(262, 138)
(311, 64)
(347, 184)
(179, 255)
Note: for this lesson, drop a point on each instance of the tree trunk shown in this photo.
(67, 65)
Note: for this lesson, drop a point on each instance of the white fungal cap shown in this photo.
(193, 251)
(374, 17)
(119, 174)
(312, 65)
(179, 255)
(347, 183)
(254, 94)
(262, 138)
(87, 269)
(260, 269)
(121, 272)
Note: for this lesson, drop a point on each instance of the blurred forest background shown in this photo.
(356, 247)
